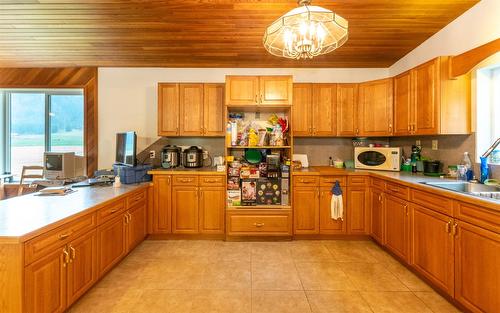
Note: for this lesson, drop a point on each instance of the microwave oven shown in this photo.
(377, 158)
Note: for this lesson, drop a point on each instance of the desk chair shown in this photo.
(25, 175)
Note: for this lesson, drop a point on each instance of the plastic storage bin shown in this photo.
(133, 175)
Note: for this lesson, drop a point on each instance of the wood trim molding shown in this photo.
(461, 64)
(67, 77)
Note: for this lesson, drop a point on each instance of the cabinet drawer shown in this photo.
(378, 183)
(191, 180)
(259, 224)
(432, 201)
(328, 181)
(357, 180)
(477, 215)
(109, 211)
(135, 198)
(48, 242)
(397, 190)
(306, 181)
(212, 181)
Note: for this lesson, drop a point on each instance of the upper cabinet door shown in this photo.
(213, 113)
(347, 112)
(168, 109)
(302, 110)
(191, 109)
(375, 108)
(402, 104)
(275, 90)
(426, 98)
(324, 110)
(242, 90)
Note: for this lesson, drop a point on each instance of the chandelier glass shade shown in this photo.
(306, 32)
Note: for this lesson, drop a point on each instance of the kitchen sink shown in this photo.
(479, 190)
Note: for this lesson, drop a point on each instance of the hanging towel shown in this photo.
(336, 204)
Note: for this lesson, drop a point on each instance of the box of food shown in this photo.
(248, 191)
(269, 191)
(234, 197)
(233, 183)
(233, 171)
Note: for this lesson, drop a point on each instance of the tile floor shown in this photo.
(261, 277)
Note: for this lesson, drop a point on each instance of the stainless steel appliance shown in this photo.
(377, 158)
(171, 156)
(192, 157)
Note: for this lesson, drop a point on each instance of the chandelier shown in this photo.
(305, 32)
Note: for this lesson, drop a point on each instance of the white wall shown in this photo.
(477, 26)
(127, 97)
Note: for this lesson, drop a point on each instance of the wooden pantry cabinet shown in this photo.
(428, 102)
(314, 110)
(190, 109)
(259, 90)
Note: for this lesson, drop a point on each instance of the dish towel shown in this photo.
(336, 204)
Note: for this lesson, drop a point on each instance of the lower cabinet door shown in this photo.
(162, 206)
(306, 210)
(327, 225)
(377, 215)
(357, 210)
(477, 270)
(82, 269)
(397, 226)
(185, 209)
(137, 226)
(432, 246)
(212, 208)
(111, 243)
(45, 284)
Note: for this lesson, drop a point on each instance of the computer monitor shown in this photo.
(126, 148)
(59, 165)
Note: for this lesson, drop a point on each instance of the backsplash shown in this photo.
(318, 150)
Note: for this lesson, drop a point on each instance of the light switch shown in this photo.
(418, 143)
(434, 144)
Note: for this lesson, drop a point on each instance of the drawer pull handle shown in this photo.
(258, 224)
(394, 189)
(210, 180)
(186, 180)
(113, 211)
(64, 236)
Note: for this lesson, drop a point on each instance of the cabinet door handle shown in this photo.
(129, 216)
(73, 253)
(454, 229)
(406, 209)
(258, 224)
(125, 216)
(380, 198)
(317, 194)
(357, 131)
(390, 128)
(448, 227)
(409, 128)
(65, 257)
(256, 98)
(261, 97)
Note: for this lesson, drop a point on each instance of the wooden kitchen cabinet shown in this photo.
(377, 215)
(347, 110)
(136, 227)
(397, 226)
(213, 110)
(111, 243)
(168, 109)
(259, 90)
(162, 206)
(477, 274)
(375, 103)
(302, 110)
(45, 283)
(357, 210)
(212, 204)
(432, 247)
(185, 209)
(191, 109)
(327, 225)
(306, 210)
(403, 110)
(82, 266)
(425, 80)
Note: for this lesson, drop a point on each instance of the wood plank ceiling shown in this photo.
(205, 33)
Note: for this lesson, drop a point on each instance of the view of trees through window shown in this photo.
(30, 135)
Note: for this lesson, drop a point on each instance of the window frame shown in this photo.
(7, 122)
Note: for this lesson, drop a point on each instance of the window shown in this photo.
(488, 111)
(41, 120)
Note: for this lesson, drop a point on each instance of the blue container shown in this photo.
(485, 172)
(133, 175)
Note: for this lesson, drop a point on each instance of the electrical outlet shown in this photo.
(418, 143)
(434, 144)
(205, 154)
(152, 154)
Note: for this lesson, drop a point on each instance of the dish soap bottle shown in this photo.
(466, 161)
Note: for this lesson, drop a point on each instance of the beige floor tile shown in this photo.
(323, 276)
(337, 302)
(173, 274)
(275, 276)
(372, 277)
(111, 300)
(127, 274)
(350, 251)
(436, 303)
(221, 301)
(164, 301)
(271, 252)
(227, 275)
(310, 251)
(394, 302)
(279, 302)
(232, 251)
(409, 279)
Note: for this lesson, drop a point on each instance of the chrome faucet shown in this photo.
(491, 149)
(484, 161)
